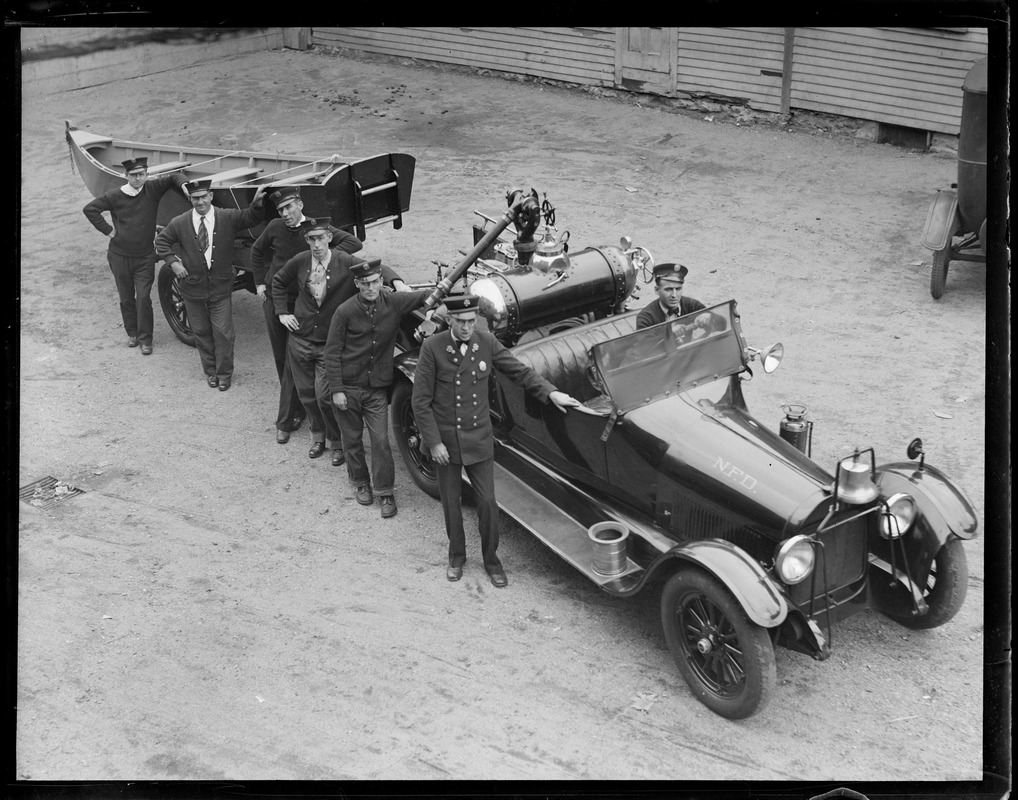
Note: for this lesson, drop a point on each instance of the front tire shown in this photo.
(726, 659)
(173, 307)
(409, 440)
(944, 592)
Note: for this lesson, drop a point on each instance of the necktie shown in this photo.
(463, 348)
(673, 312)
(203, 235)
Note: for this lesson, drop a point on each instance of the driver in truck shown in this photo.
(669, 280)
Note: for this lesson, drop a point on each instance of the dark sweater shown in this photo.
(278, 243)
(134, 218)
(314, 320)
(359, 349)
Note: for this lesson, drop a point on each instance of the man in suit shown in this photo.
(324, 281)
(358, 358)
(450, 402)
(198, 246)
(670, 302)
(131, 252)
(281, 240)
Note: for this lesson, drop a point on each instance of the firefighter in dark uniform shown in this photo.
(450, 403)
(669, 279)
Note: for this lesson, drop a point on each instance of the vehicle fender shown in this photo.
(946, 507)
(756, 592)
(941, 220)
(406, 363)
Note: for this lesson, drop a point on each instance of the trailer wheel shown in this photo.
(938, 273)
(726, 658)
(173, 305)
(409, 440)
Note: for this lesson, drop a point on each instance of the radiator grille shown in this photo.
(841, 561)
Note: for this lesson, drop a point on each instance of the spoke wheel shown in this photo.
(409, 440)
(173, 307)
(726, 659)
(944, 590)
(938, 273)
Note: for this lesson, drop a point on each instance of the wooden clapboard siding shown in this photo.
(728, 62)
(900, 76)
(575, 55)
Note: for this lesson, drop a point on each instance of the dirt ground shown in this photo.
(218, 607)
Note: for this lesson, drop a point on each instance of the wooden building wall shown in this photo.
(744, 63)
(902, 76)
(576, 55)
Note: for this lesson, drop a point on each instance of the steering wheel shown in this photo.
(643, 261)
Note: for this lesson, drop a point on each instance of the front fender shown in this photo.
(941, 220)
(744, 578)
(940, 500)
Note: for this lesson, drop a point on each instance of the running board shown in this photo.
(556, 528)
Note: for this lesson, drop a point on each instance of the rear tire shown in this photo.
(726, 659)
(173, 307)
(409, 441)
(938, 273)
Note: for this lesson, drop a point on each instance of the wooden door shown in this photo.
(645, 60)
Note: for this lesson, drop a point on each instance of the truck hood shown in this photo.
(728, 459)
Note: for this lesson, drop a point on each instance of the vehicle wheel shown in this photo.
(944, 592)
(409, 440)
(173, 305)
(938, 273)
(727, 660)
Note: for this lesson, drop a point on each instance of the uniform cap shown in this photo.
(670, 270)
(283, 195)
(198, 187)
(310, 224)
(458, 303)
(366, 269)
(135, 163)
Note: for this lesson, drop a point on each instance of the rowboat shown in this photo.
(355, 193)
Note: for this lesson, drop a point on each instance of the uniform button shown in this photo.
(458, 427)
(457, 383)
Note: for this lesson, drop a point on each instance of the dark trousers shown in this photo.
(367, 408)
(134, 276)
(450, 489)
(307, 363)
(290, 407)
(211, 321)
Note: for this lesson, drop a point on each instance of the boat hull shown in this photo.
(356, 193)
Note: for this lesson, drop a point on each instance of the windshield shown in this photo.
(682, 353)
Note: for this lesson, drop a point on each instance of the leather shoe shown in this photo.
(132, 341)
(224, 384)
(296, 423)
(388, 503)
(282, 437)
(364, 495)
(498, 578)
(146, 349)
(317, 449)
(212, 380)
(453, 573)
(338, 458)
